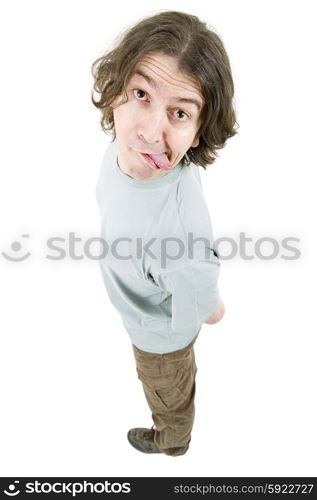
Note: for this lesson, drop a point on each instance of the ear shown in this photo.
(195, 143)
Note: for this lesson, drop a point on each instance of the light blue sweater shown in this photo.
(163, 285)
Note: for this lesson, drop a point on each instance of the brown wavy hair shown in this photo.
(200, 54)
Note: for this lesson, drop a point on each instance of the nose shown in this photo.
(152, 128)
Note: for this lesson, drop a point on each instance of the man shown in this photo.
(166, 94)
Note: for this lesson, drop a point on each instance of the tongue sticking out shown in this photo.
(161, 161)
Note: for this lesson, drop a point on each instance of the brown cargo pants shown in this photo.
(169, 386)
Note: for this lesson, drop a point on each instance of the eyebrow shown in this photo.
(153, 84)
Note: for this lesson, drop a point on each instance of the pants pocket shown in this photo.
(171, 398)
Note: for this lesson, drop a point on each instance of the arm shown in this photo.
(217, 315)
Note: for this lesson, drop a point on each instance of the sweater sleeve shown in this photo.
(194, 291)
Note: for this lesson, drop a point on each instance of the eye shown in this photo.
(183, 113)
(139, 91)
(140, 95)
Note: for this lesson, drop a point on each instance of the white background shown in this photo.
(69, 389)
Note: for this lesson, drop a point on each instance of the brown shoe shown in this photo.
(143, 439)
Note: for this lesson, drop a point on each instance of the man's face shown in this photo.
(161, 116)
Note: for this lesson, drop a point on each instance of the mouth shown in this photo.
(149, 159)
